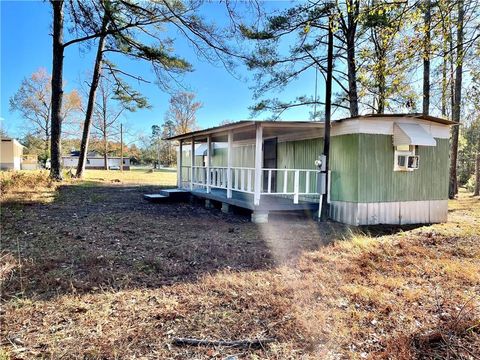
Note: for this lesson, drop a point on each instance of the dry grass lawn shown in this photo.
(100, 274)
(26, 186)
(162, 177)
(30, 186)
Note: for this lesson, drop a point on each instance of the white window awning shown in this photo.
(411, 134)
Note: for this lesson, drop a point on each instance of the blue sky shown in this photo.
(26, 46)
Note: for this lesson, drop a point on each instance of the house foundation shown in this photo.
(209, 204)
(225, 208)
(259, 217)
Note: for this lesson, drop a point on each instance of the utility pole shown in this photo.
(328, 114)
(121, 147)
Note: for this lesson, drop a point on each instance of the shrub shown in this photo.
(470, 185)
(10, 181)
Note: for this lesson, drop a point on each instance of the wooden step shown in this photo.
(156, 197)
(176, 194)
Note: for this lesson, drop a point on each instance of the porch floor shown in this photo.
(245, 200)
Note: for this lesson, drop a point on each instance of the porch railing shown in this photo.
(289, 182)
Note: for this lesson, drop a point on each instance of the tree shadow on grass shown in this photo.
(96, 237)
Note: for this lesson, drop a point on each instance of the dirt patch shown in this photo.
(109, 237)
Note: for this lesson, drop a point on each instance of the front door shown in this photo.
(270, 162)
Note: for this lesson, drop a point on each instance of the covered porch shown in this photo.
(248, 164)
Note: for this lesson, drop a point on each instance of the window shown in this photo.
(406, 158)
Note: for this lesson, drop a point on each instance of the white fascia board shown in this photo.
(384, 126)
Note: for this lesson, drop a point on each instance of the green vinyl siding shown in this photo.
(290, 155)
(343, 165)
(362, 171)
(186, 159)
(219, 157)
(300, 154)
(242, 156)
(361, 167)
(377, 182)
(199, 160)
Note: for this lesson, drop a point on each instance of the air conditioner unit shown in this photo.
(408, 162)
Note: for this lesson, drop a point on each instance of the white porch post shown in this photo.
(229, 163)
(296, 186)
(258, 163)
(209, 145)
(192, 162)
(179, 164)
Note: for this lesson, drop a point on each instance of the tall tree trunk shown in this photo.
(350, 34)
(105, 155)
(426, 59)
(97, 72)
(57, 91)
(477, 171)
(381, 85)
(328, 113)
(381, 89)
(47, 130)
(105, 140)
(352, 78)
(453, 185)
(47, 141)
(444, 76)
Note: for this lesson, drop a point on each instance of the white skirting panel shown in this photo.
(399, 213)
(17, 161)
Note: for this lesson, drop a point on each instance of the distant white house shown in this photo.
(11, 153)
(95, 161)
(30, 162)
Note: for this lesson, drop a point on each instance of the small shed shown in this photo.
(11, 153)
(383, 169)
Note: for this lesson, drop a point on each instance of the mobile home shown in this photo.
(11, 153)
(383, 169)
(95, 161)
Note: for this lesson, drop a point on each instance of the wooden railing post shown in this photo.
(258, 163)
(179, 164)
(242, 179)
(296, 186)
(269, 187)
(229, 163)
(307, 182)
(209, 145)
(192, 163)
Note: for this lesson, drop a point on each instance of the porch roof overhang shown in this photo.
(245, 130)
